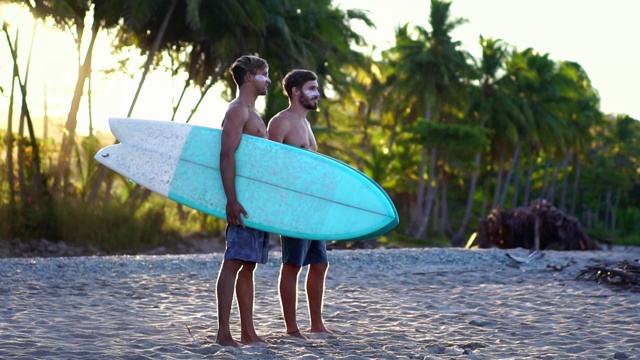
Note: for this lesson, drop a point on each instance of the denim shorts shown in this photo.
(303, 252)
(247, 244)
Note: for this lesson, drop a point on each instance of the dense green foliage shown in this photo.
(448, 136)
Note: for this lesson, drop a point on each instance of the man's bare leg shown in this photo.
(289, 298)
(224, 295)
(315, 294)
(245, 296)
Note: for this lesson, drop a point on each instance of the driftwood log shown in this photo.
(625, 274)
(353, 245)
(540, 226)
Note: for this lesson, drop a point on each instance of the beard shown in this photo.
(308, 103)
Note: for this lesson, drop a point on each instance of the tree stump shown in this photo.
(540, 226)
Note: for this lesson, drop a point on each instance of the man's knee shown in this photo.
(248, 266)
(290, 268)
(231, 266)
(319, 267)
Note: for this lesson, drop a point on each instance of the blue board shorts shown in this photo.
(246, 244)
(303, 252)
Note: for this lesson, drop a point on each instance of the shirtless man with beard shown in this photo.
(291, 127)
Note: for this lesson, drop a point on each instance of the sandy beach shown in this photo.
(381, 304)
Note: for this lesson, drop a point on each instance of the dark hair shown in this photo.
(296, 79)
(246, 64)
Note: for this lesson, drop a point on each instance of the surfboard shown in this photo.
(285, 190)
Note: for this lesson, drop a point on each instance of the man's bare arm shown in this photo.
(277, 129)
(235, 119)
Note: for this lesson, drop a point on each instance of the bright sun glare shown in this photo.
(53, 72)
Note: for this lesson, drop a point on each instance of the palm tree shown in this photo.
(534, 78)
(582, 112)
(429, 68)
(493, 102)
(312, 35)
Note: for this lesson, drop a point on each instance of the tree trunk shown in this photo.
(203, 93)
(512, 166)
(61, 181)
(596, 213)
(543, 192)
(436, 214)
(496, 191)
(516, 185)
(565, 181)
(554, 179)
(37, 174)
(9, 143)
(485, 198)
(576, 186)
(551, 195)
(89, 104)
(417, 212)
(214, 78)
(587, 217)
(177, 105)
(607, 209)
(613, 210)
(152, 53)
(394, 126)
(458, 238)
(431, 194)
(39, 185)
(445, 227)
(527, 186)
(22, 182)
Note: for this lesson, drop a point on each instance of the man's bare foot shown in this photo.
(225, 340)
(253, 340)
(297, 334)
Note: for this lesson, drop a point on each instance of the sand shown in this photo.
(381, 304)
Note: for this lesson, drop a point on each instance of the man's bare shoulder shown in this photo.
(282, 117)
(237, 113)
(278, 121)
(237, 109)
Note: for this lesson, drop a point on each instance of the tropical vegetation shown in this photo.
(447, 135)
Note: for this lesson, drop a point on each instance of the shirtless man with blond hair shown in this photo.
(245, 247)
(290, 126)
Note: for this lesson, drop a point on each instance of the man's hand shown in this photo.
(235, 210)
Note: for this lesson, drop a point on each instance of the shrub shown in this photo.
(113, 228)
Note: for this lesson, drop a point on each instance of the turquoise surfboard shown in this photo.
(285, 190)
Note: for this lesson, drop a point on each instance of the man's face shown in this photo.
(262, 81)
(310, 95)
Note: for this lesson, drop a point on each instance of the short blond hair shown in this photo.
(246, 64)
